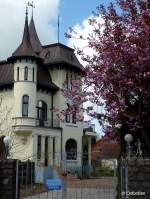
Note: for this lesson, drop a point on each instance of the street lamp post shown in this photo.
(128, 138)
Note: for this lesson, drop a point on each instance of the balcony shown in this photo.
(48, 123)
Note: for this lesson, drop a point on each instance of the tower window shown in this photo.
(25, 105)
(26, 73)
(17, 73)
(33, 75)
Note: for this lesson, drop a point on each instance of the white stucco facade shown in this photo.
(30, 87)
(25, 130)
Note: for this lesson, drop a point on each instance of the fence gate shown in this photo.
(97, 181)
(9, 186)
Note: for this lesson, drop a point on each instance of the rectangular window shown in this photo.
(71, 81)
(25, 104)
(68, 118)
(67, 81)
(54, 149)
(39, 148)
(46, 151)
(26, 73)
(33, 75)
(68, 114)
(74, 117)
(17, 73)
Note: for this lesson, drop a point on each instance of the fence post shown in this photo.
(64, 189)
(17, 179)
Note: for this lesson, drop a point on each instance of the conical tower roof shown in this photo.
(25, 49)
(35, 42)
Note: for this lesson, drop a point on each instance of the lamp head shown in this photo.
(7, 140)
(128, 138)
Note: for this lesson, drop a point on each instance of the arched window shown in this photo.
(42, 110)
(25, 105)
(26, 73)
(71, 149)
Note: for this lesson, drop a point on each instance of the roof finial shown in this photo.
(31, 4)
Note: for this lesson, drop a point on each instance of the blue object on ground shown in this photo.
(53, 184)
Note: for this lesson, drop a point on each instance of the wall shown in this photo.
(70, 130)
(138, 178)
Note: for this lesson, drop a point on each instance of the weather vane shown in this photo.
(31, 4)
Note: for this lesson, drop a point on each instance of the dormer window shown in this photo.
(26, 73)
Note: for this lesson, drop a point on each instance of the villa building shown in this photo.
(30, 85)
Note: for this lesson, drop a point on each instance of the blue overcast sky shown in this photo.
(73, 12)
(12, 15)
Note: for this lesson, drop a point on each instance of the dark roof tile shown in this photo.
(25, 49)
(43, 77)
(34, 39)
(59, 53)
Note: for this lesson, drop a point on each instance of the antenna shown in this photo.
(58, 29)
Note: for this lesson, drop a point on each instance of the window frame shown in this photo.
(25, 106)
(17, 73)
(26, 73)
(43, 111)
(67, 117)
(71, 155)
(33, 76)
(39, 147)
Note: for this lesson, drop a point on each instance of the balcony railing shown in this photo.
(42, 123)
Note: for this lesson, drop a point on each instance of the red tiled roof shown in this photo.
(105, 150)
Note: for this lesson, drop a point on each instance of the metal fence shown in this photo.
(95, 181)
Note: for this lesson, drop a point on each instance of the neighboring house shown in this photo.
(106, 151)
(30, 83)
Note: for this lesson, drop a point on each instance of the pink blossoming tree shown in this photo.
(119, 71)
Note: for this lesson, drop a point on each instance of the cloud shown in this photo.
(85, 29)
(12, 16)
